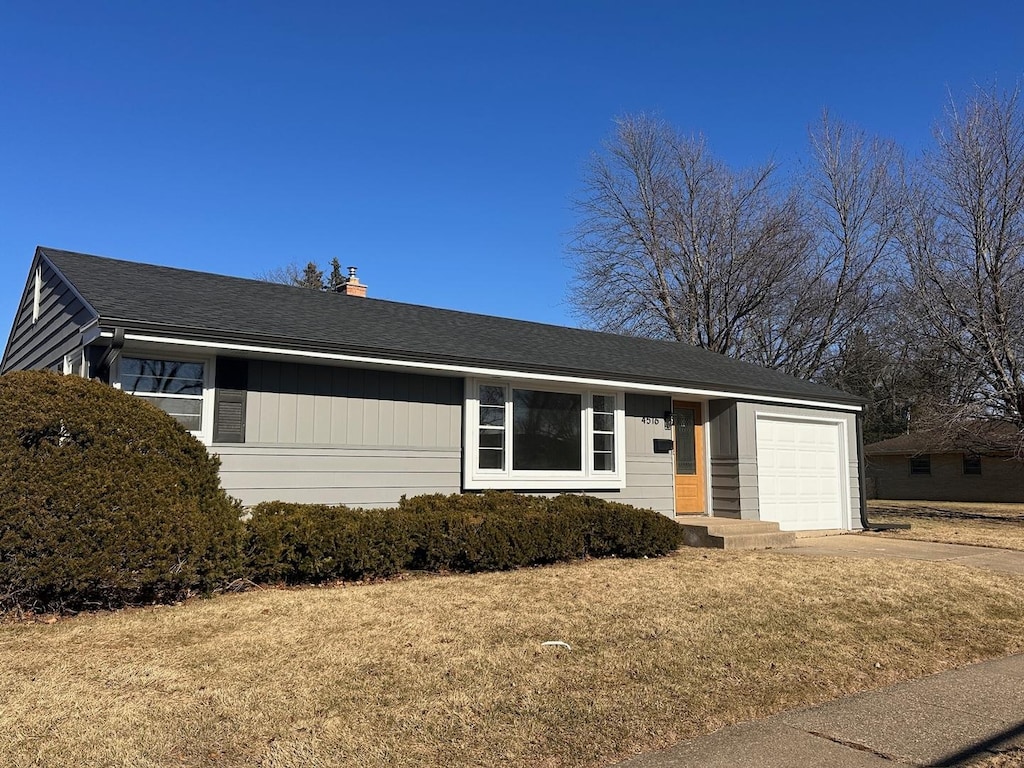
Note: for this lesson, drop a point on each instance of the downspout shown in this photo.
(861, 470)
(103, 364)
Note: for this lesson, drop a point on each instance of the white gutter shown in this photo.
(469, 370)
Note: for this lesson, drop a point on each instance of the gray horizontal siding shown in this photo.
(646, 485)
(360, 476)
(291, 404)
(56, 332)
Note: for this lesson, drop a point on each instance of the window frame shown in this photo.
(920, 472)
(975, 460)
(205, 432)
(507, 478)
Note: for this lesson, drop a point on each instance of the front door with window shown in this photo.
(688, 431)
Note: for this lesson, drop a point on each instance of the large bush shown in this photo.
(490, 531)
(310, 543)
(105, 500)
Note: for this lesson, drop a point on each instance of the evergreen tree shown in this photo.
(312, 277)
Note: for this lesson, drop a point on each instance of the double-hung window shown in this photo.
(526, 437)
(175, 386)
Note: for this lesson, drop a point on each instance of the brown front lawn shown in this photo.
(954, 522)
(450, 670)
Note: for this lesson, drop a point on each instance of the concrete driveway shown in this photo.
(871, 545)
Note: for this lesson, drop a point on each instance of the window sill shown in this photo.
(544, 484)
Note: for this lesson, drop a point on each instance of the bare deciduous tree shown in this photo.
(963, 238)
(674, 244)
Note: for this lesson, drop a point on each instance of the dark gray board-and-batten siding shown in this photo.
(57, 331)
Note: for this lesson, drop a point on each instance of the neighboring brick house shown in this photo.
(934, 466)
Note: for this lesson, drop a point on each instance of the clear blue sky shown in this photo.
(437, 146)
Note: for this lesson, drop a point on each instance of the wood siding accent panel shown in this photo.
(58, 329)
(734, 489)
(358, 477)
(1001, 479)
(299, 404)
(722, 422)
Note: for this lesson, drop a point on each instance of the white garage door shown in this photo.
(799, 473)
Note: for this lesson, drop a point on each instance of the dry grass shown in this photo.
(1011, 759)
(449, 671)
(954, 522)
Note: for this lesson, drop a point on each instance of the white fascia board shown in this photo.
(468, 370)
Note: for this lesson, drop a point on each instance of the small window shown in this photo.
(972, 464)
(604, 433)
(492, 428)
(174, 386)
(921, 465)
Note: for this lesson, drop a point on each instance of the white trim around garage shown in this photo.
(842, 459)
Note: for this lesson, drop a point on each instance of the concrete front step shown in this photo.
(727, 533)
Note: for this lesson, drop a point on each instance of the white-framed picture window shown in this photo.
(531, 436)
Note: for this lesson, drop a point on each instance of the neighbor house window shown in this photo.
(921, 465)
(175, 386)
(535, 438)
(972, 464)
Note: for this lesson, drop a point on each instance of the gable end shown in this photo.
(47, 325)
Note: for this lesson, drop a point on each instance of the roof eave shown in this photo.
(240, 338)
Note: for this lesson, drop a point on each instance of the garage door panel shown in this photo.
(799, 473)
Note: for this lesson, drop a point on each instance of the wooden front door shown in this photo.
(688, 431)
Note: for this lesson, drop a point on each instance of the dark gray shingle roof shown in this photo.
(209, 306)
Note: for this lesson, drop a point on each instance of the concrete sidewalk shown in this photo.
(868, 545)
(947, 719)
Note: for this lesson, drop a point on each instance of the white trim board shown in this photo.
(468, 370)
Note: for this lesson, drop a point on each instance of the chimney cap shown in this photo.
(351, 286)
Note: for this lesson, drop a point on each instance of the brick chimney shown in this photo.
(352, 286)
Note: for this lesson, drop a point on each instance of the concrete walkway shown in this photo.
(869, 545)
(947, 719)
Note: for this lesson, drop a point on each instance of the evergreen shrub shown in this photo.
(105, 500)
(490, 531)
(312, 543)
